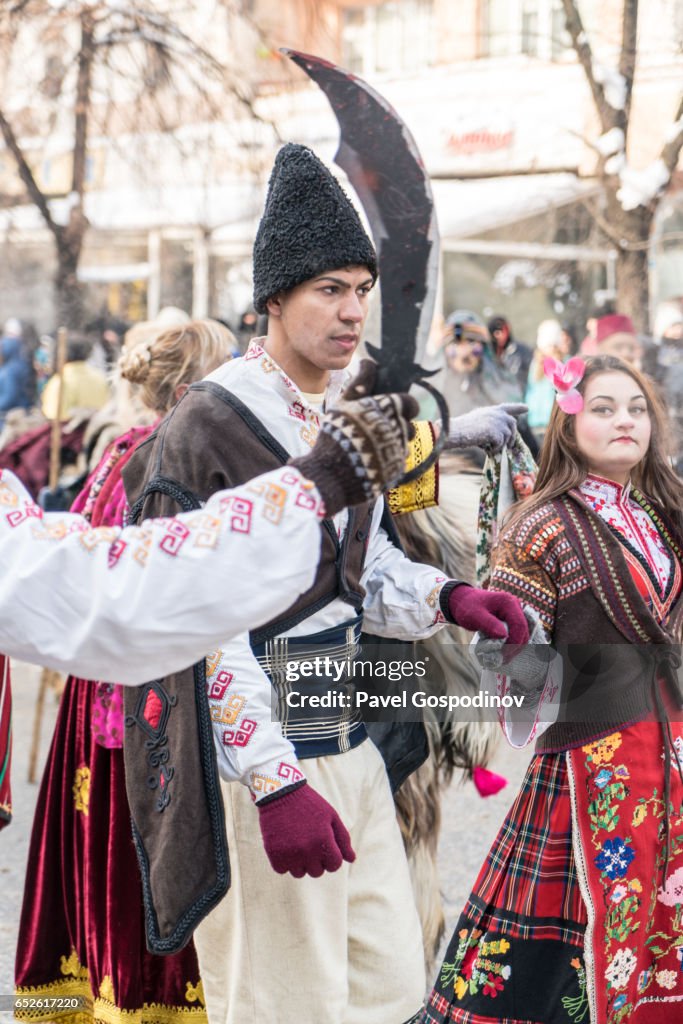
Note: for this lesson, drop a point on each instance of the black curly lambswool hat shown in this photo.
(309, 225)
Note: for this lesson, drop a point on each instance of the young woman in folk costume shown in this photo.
(81, 929)
(576, 915)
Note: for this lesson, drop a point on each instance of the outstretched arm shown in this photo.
(145, 601)
(142, 602)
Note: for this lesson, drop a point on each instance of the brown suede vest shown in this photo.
(209, 441)
(237, 448)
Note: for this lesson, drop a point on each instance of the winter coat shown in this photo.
(16, 377)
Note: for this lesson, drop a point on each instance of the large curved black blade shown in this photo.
(382, 162)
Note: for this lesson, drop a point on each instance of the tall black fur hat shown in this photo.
(309, 225)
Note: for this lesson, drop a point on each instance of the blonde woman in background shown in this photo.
(82, 929)
(551, 340)
(125, 409)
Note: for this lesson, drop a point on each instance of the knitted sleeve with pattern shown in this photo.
(519, 572)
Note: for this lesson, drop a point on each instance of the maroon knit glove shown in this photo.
(303, 834)
(491, 612)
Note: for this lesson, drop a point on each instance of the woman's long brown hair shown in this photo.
(563, 467)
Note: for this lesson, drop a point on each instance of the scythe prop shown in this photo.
(382, 162)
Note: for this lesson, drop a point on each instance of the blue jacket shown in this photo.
(16, 377)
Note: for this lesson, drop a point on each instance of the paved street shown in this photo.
(470, 823)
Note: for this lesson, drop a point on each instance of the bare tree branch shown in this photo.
(146, 23)
(627, 60)
(585, 54)
(671, 149)
(26, 174)
(132, 34)
(617, 239)
(171, 79)
(86, 55)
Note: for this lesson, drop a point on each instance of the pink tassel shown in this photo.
(487, 782)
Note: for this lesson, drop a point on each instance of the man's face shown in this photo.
(320, 321)
(625, 346)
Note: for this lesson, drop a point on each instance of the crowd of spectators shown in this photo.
(483, 363)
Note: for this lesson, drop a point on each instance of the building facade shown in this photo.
(498, 105)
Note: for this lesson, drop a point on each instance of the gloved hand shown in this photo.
(303, 834)
(362, 445)
(491, 612)
(526, 665)
(490, 427)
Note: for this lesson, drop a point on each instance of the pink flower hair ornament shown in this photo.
(564, 377)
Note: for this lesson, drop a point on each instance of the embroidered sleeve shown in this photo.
(149, 600)
(517, 572)
(250, 747)
(423, 492)
(402, 597)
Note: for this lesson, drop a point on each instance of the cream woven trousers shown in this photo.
(342, 949)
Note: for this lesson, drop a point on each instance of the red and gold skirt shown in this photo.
(81, 954)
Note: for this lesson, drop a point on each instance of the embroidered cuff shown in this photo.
(274, 778)
(423, 492)
(281, 792)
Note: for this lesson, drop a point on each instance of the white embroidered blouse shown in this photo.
(616, 506)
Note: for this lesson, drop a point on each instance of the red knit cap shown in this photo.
(613, 324)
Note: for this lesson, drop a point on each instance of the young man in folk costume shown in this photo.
(123, 599)
(344, 948)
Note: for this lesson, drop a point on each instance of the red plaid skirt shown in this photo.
(526, 897)
(547, 938)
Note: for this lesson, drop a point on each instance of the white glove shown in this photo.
(491, 427)
(529, 667)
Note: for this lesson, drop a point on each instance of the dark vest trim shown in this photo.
(270, 442)
(186, 924)
(261, 432)
(188, 501)
(389, 525)
(158, 754)
(603, 563)
(259, 636)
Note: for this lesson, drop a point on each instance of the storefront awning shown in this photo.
(475, 206)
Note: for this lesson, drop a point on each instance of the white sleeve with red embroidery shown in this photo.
(128, 605)
(402, 597)
(250, 747)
